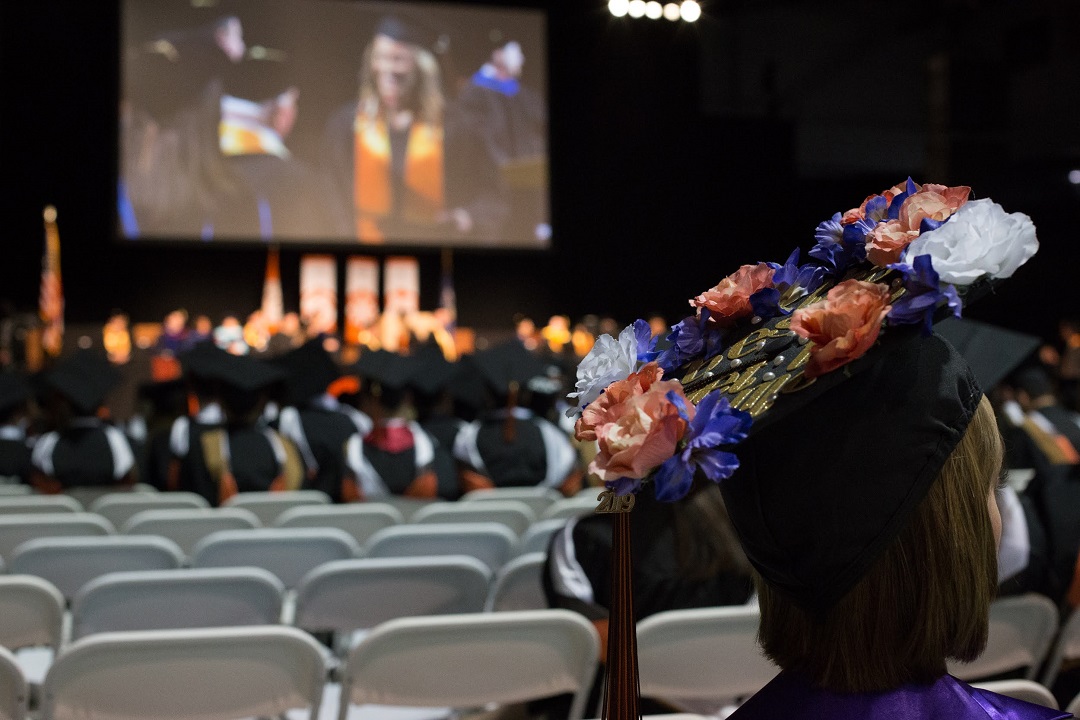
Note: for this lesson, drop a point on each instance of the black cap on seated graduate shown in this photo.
(14, 391)
(993, 352)
(816, 393)
(432, 373)
(508, 364)
(84, 379)
(309, 371)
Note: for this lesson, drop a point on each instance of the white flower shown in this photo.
(979, 239)
(608, 361)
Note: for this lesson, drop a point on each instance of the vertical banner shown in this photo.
(401, 285)
(51, 297)
(318, 293)
(272, 303)
(361, 297)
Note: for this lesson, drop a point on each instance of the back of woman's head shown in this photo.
(926, 599)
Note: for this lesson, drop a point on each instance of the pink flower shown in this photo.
(843, 326)
(634, 424)
(730, 299)
(933, 202)
(886, 241)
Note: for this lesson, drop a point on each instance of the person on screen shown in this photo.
(498, 125)
(384, 151)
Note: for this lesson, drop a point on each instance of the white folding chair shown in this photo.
(1026, 690)
(538, 498)
(490, 543)
(361, 520)
(118, 508)
(514, 514)
(87, 494)
(407, 506)
(31, 622)
(1066, 647)
(706, 654)
(15, 490)
(187, 527)
(538, 536)
(174, 599)
(519, 585)
(1021, 630)
(288, 553)
(572, 507)
(17, 529)
(14, 693)
(71, 562)
(200, 674)
(470, 661)
(268, 505)
(23, 504)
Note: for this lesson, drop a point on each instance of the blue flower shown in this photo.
(690, 338)
(924, 294)
(646, 343)
(790, 282)
(624, 485)
(715, 424)
(834, 249)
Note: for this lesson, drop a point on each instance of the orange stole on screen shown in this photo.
(371, 181)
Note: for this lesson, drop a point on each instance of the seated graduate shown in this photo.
(83, 449)
(243, 454)
(315, 420)
(15, 445)
(508, 445)
(438, 408)
(397, 457)
(857, 456)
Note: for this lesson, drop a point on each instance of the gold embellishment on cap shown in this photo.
(611, 503)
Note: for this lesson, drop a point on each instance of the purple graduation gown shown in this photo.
(790, 696)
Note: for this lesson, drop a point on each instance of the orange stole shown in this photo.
(371, 180)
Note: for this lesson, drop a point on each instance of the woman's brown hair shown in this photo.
(926, 599)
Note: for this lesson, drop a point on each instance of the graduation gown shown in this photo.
(321, 431)
(397, 458)
(15, 466)
(790, 695)
(87, 453)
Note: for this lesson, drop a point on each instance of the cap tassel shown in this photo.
(510, 423)
(623, 690)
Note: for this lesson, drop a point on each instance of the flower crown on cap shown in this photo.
(908, 256)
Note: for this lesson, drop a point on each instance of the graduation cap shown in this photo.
(507, 365)
(14, 391)
(201, 361)
(432, 372)
(84, 379)
(992, 352)
(408, 26)
(467, 386)
(243, 380)
(309, 371)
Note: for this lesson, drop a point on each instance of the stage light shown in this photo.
(690, 10)
(637, 8)
(653, 10)
(1074, 177)
(671, 11)
(618, 8)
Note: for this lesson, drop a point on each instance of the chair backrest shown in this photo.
(23, 504)
(289, 553)
(87, 494)
(538, 498)
(519, 585)
(268, 505)
(202, 674)
(8, 490)
(706, 654)
(408, 506)
(14, 693)
(17, 529)
(514, 514)
(118, 508)
(187, 527)
(174, 599)
(1026, 690)
(71, 562)
(490, 543)
(471, 660)
(1021, 630)
(538, 536)
(361, 520)
(572, 507)
(1066, 647)
(349, 595)
(31, 612)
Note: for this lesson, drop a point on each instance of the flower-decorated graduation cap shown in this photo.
(814, 391)
(84, 379)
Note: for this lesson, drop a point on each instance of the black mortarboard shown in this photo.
(1035, 381)
(432, 372)
(245, 373)
(84, 378)
(507, 363)
(467, 385)
(14, 391)
(384, 369)
(201, 360)
(408, 28)
(310, 369)
(992, 352)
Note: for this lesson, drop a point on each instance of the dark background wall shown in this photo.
(678, 152)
